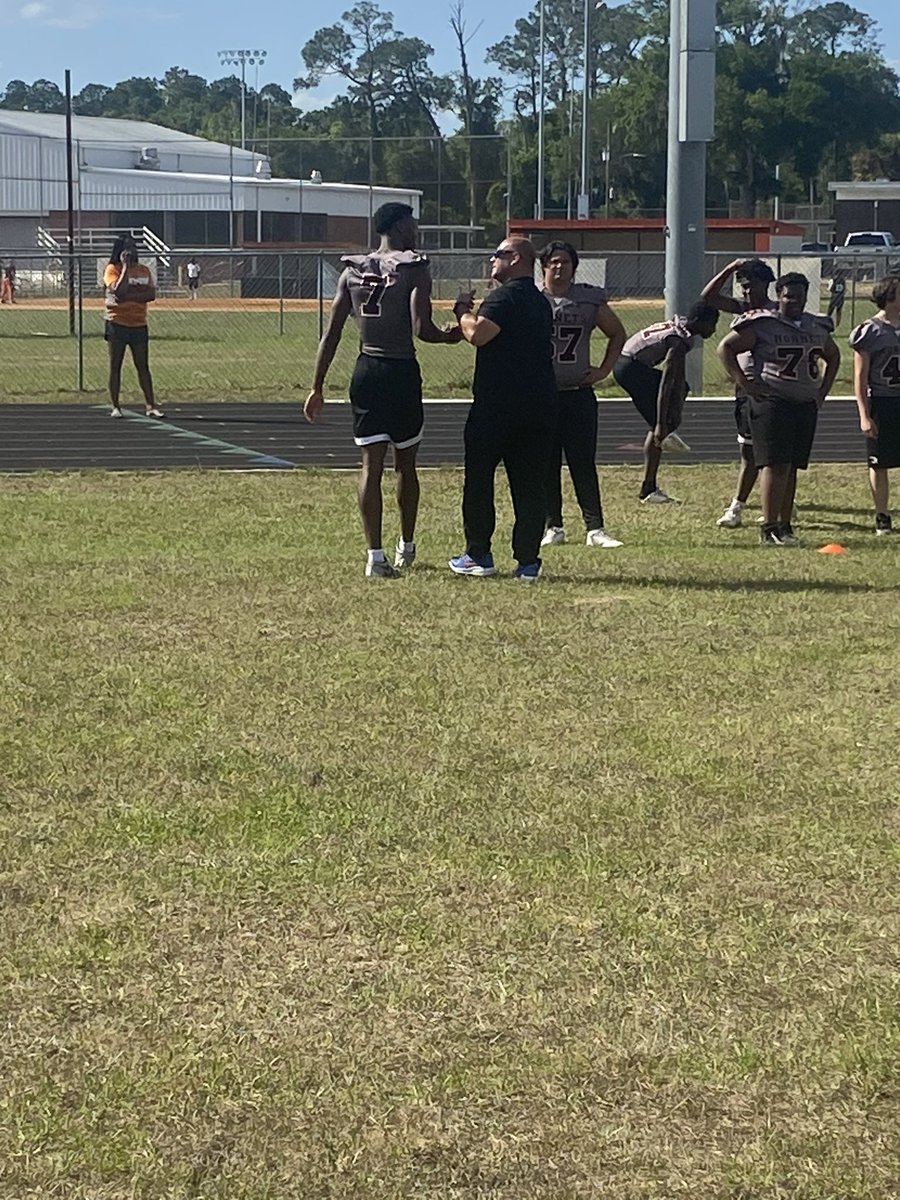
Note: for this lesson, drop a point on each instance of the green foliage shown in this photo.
(802, 86)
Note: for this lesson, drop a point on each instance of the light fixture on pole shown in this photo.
(240, 58)
(539, 198)
(584, 198)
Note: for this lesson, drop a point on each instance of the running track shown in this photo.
(267, 436)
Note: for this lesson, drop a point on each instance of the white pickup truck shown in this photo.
(869, 253)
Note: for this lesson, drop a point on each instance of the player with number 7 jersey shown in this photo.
(786, 362)
(388, 290)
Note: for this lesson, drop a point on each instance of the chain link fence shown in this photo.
(251, 327)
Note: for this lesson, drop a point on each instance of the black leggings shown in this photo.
(576, 438)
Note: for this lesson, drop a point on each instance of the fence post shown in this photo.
(320, 288)
(280, 295)
(79, 311)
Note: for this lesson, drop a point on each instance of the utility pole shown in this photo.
(584, 199)
(539, 198)
(692, 70)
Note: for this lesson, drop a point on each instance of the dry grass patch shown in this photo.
(320, 887)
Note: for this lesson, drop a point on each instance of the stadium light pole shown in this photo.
(584, 199)
(692, 67)
(539, 198)
(240, 58)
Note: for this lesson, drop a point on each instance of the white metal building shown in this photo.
(188, 191)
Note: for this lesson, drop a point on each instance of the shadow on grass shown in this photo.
(549, 576)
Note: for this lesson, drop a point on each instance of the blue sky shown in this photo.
(101, 44)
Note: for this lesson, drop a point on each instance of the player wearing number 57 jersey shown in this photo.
(876, 381)
(776, 359)
(389, 293)
(578, 309)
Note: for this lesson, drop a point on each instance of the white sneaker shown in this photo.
(659, 497)
(674, 442)
(381, 570)
(599, 537)
(554, 536)
(731, 518)
(404, 558)
(116, 412)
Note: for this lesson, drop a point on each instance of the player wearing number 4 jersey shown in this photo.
(389, 293)
(876, 380)
(775, 358)
(578, 309)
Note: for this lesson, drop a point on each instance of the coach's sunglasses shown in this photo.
(502, 253)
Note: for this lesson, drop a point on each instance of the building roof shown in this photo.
(111, 130)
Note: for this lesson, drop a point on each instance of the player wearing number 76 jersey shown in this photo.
(389, 292)
(781, 371)
(578, 309)
(876, 380)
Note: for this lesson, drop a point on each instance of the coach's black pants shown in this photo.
(522, 444)
(576, 437)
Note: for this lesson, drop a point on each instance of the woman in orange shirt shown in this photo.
(129, 289)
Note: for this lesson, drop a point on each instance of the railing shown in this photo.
(252, 327)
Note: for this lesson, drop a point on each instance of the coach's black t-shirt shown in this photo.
(514, 371)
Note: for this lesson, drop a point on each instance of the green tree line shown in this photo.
(802, 87)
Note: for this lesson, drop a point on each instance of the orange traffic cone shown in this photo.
(833, 548)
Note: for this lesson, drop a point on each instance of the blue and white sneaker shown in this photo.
(465, 564)
(527, 572)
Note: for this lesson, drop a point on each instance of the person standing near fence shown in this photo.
(389, 292)
(513, 418)
(876, 382)
(193, 278)
(8, 285)
(129, 289)
(836, 297)
(578, 309)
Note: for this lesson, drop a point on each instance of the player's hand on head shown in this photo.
(315, 402)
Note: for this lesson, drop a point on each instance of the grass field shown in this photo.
(219, 354)
(317, 886)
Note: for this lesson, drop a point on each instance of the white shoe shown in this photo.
(659, 497)
(381, 570)
(554, 536)
(731, 518)
(599, 537)
(674, 442)
(404, 558)
(116, 412)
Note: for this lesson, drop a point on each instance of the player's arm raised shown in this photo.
(423, 318)
(832, 357)
(712, 293)
(738, 341)
(341, 308)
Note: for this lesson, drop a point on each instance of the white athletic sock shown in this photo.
(376, 555)
(405, 546)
